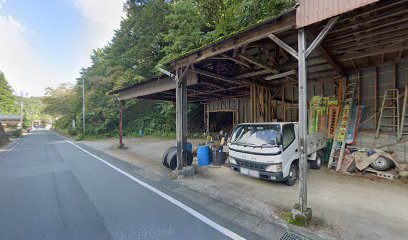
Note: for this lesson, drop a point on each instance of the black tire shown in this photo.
(189, 158)
(172, 159)
(293, 175)
(316, 164)
(165, 154)
(381, 164)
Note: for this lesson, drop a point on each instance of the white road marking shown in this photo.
(196, 214)
(12, 148)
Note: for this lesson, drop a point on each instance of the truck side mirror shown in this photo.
(279, 139)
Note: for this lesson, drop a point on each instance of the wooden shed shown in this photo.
(271, 70)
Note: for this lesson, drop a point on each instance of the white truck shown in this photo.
(270, 151)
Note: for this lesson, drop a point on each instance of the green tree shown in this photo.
(152, 33)
(7, 98)
(59, 101)
(187, 29)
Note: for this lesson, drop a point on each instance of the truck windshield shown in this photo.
(255, 135)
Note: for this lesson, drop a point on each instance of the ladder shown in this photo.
(391, 102)
(403, 115)
(339, 140)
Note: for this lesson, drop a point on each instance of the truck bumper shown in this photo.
(272, 176)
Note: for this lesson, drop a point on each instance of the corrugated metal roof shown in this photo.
(312, 11)
(8, 117)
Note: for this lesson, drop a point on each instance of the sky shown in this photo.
(45, 43)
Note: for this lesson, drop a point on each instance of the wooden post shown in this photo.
(340, 91)
(181, 118)
(184, 123)
(121, 124)
(302, 74)
(375, 97)
(359, 87)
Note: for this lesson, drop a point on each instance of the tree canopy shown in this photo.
(6, 96)
(151, 34)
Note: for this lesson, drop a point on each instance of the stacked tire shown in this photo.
(169, 158)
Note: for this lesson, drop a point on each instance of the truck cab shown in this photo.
(270, 151)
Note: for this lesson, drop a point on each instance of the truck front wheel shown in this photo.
(293, 175)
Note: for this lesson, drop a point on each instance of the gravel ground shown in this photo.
(344, 207)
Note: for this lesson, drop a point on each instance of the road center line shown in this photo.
(193, 212)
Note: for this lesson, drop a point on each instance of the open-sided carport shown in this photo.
(272, 69)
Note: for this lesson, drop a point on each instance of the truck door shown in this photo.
(289, 147)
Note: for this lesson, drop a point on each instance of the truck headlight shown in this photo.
(274, 168)
(232, 160)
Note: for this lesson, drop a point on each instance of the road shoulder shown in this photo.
(244, 223)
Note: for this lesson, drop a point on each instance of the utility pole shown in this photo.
(83, 104)
(21, 110)
(302, 119)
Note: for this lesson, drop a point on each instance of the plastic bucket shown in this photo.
(203, 155)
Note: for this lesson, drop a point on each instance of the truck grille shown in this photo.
(251, 165)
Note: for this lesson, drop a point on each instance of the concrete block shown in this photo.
(301, 218)
(185, 171)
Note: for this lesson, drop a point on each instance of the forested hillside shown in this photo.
(6, 96)
(152, 33)
(11, 104)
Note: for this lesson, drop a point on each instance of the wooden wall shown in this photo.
(372, 83)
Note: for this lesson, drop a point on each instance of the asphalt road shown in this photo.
(52, 189)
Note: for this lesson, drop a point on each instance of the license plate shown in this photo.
(249, 172)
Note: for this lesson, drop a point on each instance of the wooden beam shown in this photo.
(374, 42)
(400, 54)
(257, 63)
(324, 50)
(285, 54)
(234, 59)
(280, 75)
(394, 12)
(364, 12)
(210, 93)
(383, 34)
(214, 75)
(321, 35)
(253, 74)
(283, 45)
(387, 62)
(269, 57)
(280, 24)
(372, 51)
(212, 84)
(347, 37)
(353, 63)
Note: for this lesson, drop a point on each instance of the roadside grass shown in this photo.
(316, 223)
(288, 217)
(92, 137)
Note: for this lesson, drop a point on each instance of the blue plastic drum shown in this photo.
(203, 155)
